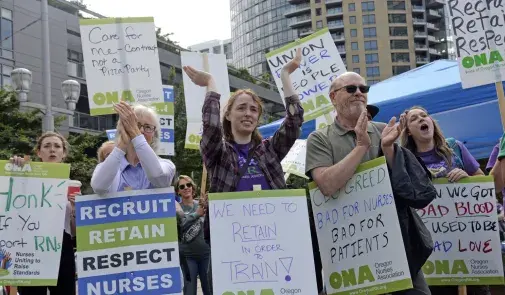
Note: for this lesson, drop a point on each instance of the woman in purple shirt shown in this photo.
(422, 136)
(133, 164)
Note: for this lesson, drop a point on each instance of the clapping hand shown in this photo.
(361, 130)
(390, 133)
(128, 119)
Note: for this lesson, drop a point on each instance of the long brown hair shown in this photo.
(441, 147)
(228, 135)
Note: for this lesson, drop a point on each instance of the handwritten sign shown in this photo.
(165, 112)
(464, 227)
(263, 243)
(321, 64)
(359, 234)
(194, 95)
(479, 34)
(127, 243)
(33, 201)
(121, 62)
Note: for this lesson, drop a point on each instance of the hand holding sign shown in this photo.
(294, 64)
(456, 175)
(18, 161)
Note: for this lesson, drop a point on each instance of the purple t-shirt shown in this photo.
(253, 175)
(439, 168)
(493, 157)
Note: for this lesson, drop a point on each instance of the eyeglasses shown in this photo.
(147, 128)
(183, 186)
(353, 88)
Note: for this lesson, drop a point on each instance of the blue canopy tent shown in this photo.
(470, 115)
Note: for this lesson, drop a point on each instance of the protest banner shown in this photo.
(127, 243)
(121, 62)
(321, 64)
(464, 226)
(32, 220)
(194, 95)
(479, 34)
(359, 234)
(263, 244)
(165, 111)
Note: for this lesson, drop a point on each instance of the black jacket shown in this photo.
(412, 189)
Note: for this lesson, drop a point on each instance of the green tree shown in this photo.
(165, 37)
(244, 74)
(82, 158)
(19, 129)
(266, 80)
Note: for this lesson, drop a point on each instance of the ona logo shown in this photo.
(5, 262)
(9, 167)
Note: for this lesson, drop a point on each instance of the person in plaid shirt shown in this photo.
(234, 141)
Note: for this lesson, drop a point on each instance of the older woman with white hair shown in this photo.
(133, 164)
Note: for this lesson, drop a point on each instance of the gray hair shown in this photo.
(143, 111)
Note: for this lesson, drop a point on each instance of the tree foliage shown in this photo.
(82, 157)
(19, 129)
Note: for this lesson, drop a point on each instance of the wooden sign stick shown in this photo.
(13, 291)
(203, 185)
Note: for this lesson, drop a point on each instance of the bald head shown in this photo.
(347, 78)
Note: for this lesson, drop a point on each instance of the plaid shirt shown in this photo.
(220, 156)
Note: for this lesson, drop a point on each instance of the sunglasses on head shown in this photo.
(353, 88)
(183, 186)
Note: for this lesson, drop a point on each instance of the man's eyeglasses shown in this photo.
(183, 186)
(147, 128)
(353, 88)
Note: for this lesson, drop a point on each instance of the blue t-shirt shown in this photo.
(253, 174)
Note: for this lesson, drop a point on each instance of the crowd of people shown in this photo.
(239, 159)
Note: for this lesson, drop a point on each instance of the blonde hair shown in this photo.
(228, 135)
(441, 147)
(188, 179)
(48, 134)
(142, 111)
(101, 150)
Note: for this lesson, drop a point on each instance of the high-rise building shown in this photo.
(258, 27)
(380, 38)
(217, 47)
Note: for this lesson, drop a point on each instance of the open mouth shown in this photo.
(424, 127)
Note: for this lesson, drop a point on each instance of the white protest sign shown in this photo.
(321, 64)
(359, 234)
(33, 201)
(165, 111)
(194, 95)
(121, 62)
(464, 226)
(294, 161)
(127, 243)
(479, 37)
(262, 243)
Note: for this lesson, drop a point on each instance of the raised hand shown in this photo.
(361, 130)
(293, 64)
(128, 119)
(390, 133)
(200, 78)
(18, 161)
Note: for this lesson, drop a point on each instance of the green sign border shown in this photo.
(51, 170)
(385, 288)
(442, 281)
(297, 42)
(470, 179)
(116, 20)
(283, 193)
(28, 282)
(191, 146)
(362, 167)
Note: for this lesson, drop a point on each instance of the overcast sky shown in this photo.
(191, 21)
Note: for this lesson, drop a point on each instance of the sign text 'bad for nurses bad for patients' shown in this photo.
(121, 62)
(359, 234)
(33, 201)
(127, 243)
